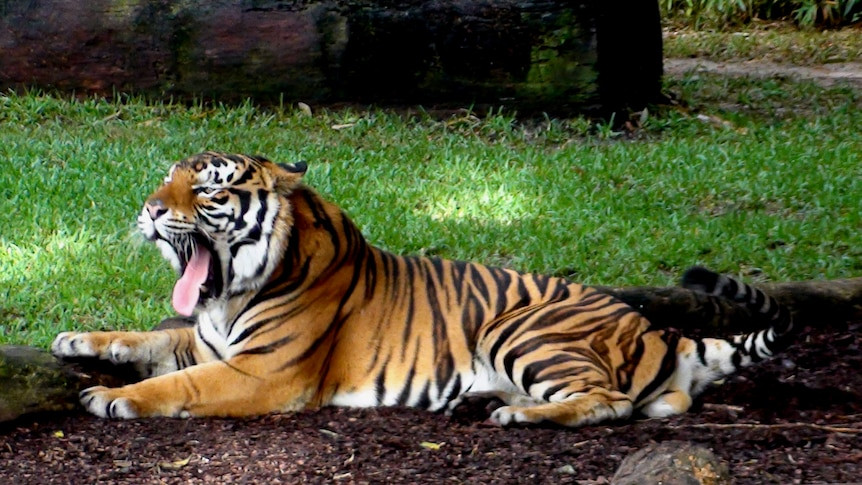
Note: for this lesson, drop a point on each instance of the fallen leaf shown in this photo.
(304, 108)
(430, 445)
(643, 117)
(59, 434)
(174, 465)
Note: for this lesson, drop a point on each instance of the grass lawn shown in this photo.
(767, 185)
(765, 41)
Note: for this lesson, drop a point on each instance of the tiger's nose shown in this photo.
(156, 208)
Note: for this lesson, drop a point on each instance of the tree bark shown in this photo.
(543, 54)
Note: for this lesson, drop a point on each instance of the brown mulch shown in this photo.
(796, 419)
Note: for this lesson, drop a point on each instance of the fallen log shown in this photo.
(33, 381)
(818, 304)
(545, 54)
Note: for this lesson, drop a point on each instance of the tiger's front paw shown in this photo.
(129, 402)
(92, 345)
(73, 344)
(108, 403)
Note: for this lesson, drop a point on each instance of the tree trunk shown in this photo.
(629, 56)
(542, 54)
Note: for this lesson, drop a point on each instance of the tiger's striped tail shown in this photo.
(748, 348)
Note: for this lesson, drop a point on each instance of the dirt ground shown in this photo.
(796, 419)
(826, 75)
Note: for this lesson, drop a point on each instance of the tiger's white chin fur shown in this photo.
(244, 269)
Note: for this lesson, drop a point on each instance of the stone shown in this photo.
(672, 463)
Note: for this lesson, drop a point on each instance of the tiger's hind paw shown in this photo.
(489, 400)
(509, 415)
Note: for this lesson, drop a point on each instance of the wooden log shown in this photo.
(542, 54)
(818, 304)
(32, 380)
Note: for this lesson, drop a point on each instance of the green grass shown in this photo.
(775, 42)
(722, 13)
(770, 186)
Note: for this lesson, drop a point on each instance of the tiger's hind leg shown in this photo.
(669, 403)
(151, 353)
(589, 406)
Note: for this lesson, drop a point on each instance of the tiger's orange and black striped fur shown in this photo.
(294, 309)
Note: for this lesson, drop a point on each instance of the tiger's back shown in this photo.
(295, 309)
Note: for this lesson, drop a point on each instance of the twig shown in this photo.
(726, 407)
(832, 429)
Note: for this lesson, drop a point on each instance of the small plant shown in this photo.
(806, 13)
(827, 12)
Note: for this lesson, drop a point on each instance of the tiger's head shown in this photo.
(223, 221)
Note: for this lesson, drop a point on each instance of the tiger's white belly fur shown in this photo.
(480, 378)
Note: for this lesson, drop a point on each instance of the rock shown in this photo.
(672, 463)
(32, 380)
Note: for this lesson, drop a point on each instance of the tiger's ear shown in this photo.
(288, 175)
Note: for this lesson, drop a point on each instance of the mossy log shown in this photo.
(544, 54)
(32, 380)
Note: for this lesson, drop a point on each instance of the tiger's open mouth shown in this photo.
(200, 278)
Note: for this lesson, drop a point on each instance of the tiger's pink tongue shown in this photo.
(187, 291)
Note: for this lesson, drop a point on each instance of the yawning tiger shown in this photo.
(294, 309)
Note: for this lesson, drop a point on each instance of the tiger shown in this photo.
(293, 309)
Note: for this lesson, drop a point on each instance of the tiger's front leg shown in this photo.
(216, 388)
(151, 353)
